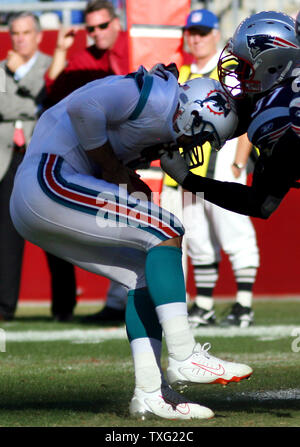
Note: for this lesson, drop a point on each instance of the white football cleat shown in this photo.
(167, 404)
(201, 367)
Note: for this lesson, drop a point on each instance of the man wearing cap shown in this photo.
(210, 228)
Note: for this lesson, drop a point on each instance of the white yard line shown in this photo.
(260, 332)
(99, 335)
(288, 394)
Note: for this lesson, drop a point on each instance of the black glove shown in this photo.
(175, 166)
(151, 153)
(173, 69)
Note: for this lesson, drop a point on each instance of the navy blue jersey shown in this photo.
(272, 122)
(273, 115)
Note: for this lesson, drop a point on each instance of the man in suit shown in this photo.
(20, 106)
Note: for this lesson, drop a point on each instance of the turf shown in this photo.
(85, 378)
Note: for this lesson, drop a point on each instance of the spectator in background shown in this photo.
(209, 228)
(106, 56)
(20, 106)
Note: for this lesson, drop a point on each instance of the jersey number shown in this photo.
(265, 102)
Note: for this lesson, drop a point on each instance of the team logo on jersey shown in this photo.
(216, 102)
(262, 42)
(272, 137)
(267, 128)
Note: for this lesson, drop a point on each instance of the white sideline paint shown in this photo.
(288, 394)
(98, 335)
(73, 335)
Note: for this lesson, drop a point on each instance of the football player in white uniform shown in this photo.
(76, 196)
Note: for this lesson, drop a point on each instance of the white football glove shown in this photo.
(175, 166)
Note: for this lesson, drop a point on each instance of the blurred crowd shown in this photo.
(52, 19)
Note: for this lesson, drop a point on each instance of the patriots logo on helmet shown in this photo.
(216, 102)
(262, 42)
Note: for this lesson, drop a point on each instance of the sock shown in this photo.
(245, 279)
(165, 280)
(164, 275)
(204, 302)
(244, 298)
(140, 317)
(144, 333)
(146, 354)
(205, 277)
(178, 335)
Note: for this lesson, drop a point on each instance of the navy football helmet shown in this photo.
(263, 51)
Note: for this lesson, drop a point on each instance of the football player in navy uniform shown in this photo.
(265, 86)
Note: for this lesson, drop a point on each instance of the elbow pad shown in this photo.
(270, 204)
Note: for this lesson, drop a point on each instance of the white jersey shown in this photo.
(113, 109)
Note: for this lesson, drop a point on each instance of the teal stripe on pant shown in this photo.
(141, 319)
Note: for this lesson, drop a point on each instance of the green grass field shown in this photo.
(76, 375)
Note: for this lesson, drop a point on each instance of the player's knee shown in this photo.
(174, 242)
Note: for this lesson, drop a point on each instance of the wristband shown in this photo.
(238, 165)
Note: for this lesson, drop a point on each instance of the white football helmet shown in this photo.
(206, 114)
(263, 51)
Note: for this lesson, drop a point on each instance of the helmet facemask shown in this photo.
(236, 75)
(193, 153)
(205, 114)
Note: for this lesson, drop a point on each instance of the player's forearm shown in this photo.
(229, 195)
(106, 159)
(112, 169)
(243, 150)
(232, 196)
